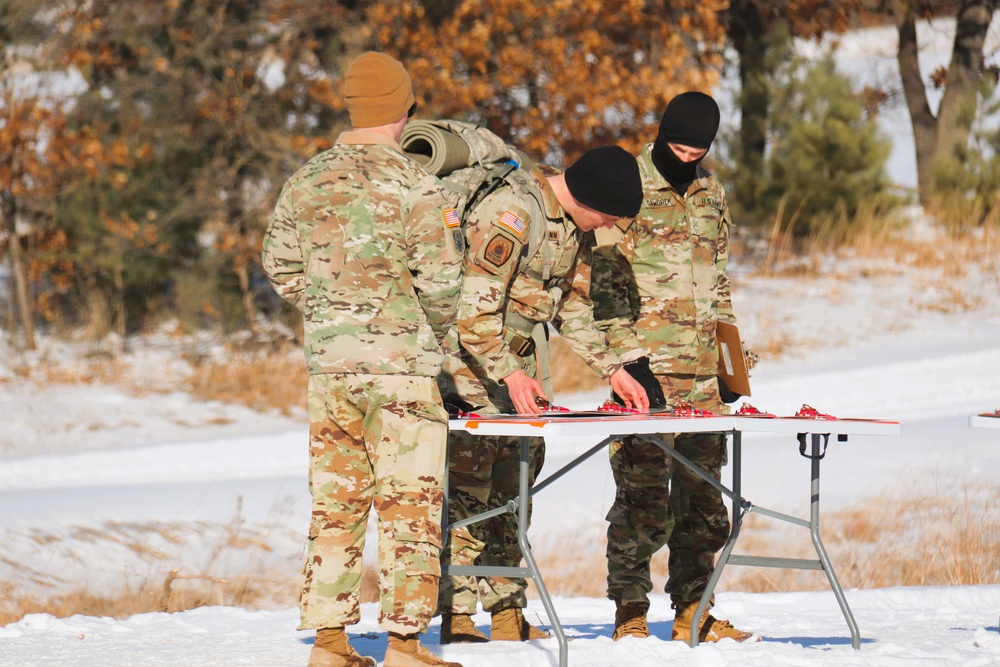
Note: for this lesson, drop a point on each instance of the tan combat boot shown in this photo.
(712, 629)
(407, 651)
(630, 620)
(510, 625)
(459, 629)
(332, 650)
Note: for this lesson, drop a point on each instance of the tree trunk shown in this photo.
(958, 105)
(120, 315)
(754, 43)
(98, 309)
(20, 295)
(936, 138)
(243, 274)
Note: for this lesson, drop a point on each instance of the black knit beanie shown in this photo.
(607, 180)
(690, 119)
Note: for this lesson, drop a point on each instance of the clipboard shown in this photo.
(732, 360)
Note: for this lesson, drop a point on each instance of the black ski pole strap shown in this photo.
(803, 444)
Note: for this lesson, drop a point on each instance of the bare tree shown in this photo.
(940, 140)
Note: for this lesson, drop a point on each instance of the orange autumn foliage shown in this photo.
(558, 77)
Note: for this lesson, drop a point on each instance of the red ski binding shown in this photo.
(809, 412)
(747, 410)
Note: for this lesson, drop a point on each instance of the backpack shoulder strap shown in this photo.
(523, 183)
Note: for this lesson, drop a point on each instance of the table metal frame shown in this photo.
(986, 420)
(813, 435)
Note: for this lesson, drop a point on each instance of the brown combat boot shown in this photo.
(407, 651)
(712, 629)
(459, 629)
(332, 650)
(510, 625)
(630, 620)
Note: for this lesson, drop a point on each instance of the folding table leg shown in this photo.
(519, 507)
(821, 550)
(734, 534)
(524, 494)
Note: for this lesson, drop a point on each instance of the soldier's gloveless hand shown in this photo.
(523, 390)
(639, 369)
(627, 388)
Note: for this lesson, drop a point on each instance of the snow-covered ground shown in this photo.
(926, 627)
(104, 491)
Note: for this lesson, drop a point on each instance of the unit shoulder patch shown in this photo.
(498, 252)
(458, 238)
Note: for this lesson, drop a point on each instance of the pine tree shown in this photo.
(827, 156)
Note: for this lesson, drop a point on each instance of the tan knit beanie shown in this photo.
(378, 90)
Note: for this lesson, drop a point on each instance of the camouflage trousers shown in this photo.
(374, 440)
(484, 473)
(661, 502)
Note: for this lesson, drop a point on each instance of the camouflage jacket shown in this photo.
(360, 243)
(661, 286)
(499, 282)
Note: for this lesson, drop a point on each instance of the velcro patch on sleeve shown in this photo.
(498, 253)
(499, 250)
(451, 218)
(510, 220)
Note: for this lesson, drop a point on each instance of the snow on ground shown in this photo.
(926, 627)
(114, 479)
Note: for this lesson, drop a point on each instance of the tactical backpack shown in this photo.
(472, 162)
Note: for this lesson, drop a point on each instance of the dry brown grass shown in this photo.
(177, 592)
(91, 370)
(905, 541)
(950, 252)
(272, 378)
(268, 375)
(569, 372)
(237, 564)
(885, 541)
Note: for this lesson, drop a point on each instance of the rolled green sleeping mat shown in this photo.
(438, 149)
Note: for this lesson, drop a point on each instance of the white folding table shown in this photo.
(813, 437)
(985, 420)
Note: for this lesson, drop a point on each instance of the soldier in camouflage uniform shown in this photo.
(358, 242)
(507, 297)
(669, 269)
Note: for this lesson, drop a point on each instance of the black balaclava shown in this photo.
(690, 119)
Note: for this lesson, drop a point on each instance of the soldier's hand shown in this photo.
(627, 389)
(639, 369)
(523, 390)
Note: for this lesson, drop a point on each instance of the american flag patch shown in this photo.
(513, 223)
(451, 218)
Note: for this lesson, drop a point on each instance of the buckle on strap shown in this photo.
(520, 345)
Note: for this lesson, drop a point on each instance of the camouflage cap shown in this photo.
(378, 90)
